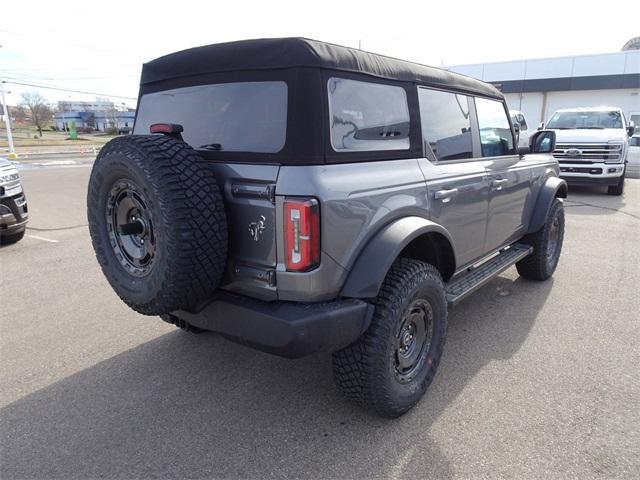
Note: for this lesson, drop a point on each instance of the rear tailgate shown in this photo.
(249, 194)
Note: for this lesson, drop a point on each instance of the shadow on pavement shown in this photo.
(593, 201)
(199, 406)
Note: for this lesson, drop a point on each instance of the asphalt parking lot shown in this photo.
(539, 380)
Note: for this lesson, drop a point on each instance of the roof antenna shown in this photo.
(359, 44)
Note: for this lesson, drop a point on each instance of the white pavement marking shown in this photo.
(43, 239)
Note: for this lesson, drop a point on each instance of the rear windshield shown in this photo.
(236, 117)
(596, 119)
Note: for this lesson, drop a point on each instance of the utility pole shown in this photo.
(7, 122)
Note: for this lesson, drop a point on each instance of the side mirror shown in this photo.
(631, 128)
(516, 129)
(541, 126)
(543, 141)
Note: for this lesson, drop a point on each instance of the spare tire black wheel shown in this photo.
(157, 223)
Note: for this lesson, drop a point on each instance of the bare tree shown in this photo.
(38, 108)
(20, 114)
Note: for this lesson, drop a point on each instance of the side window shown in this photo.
(495, 134)
(446, 126)
(367, 116)
(635, 118)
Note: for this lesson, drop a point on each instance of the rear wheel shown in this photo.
(157, 223)
(547, 245)
(390, 367)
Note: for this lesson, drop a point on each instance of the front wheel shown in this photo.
(617, 189)
(390, 367)
(12, 238)
(547, 245)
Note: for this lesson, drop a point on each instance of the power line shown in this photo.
(72, 45)
(24, 76)
(67, 89)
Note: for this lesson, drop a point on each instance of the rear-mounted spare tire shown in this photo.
(157, 223)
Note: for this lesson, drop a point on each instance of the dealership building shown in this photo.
(540, 86)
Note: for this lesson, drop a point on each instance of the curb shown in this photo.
(82, 152)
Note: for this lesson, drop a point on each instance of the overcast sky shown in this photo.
(100, 46)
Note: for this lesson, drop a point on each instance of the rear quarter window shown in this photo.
(367, 116)
(239, 117)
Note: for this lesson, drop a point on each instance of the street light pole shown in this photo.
(7, 121)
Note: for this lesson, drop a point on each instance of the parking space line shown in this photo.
(43, 239)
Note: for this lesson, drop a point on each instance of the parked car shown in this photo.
(13, 204)
(522, 129)
(592, 146)
(633, 157)
(124, 130)
(327, 199)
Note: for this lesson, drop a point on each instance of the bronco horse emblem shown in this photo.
(256, 228)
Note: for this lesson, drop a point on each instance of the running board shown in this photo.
(469, 282)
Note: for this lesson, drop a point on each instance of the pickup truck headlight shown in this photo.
(616, 149)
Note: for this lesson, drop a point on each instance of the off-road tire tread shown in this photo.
(357, 369)
(189, 205)
(534, 266)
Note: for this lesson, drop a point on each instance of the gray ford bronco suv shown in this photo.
(297, 196)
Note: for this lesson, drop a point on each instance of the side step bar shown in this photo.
(467, 283)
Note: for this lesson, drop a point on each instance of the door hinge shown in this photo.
(253, 190)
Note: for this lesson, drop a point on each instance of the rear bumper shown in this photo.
(287, 329)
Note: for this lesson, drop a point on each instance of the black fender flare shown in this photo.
(553, 187)
(368, 272)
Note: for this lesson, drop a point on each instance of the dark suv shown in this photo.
(298, 196)
(13, 204)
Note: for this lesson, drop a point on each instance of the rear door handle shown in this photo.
(497, 183)
(446, 194)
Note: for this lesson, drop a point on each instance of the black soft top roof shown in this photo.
(276, 53)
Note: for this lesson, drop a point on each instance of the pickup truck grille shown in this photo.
(587, 152)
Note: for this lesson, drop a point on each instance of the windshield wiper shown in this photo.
(591, 128)
(211, 146)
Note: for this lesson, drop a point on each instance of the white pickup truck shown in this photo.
(592, 146)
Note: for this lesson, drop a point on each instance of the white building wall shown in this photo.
(535, 105)
(616, 63)
(529, 103)
(627, 99)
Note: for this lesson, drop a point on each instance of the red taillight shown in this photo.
(301, 234)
